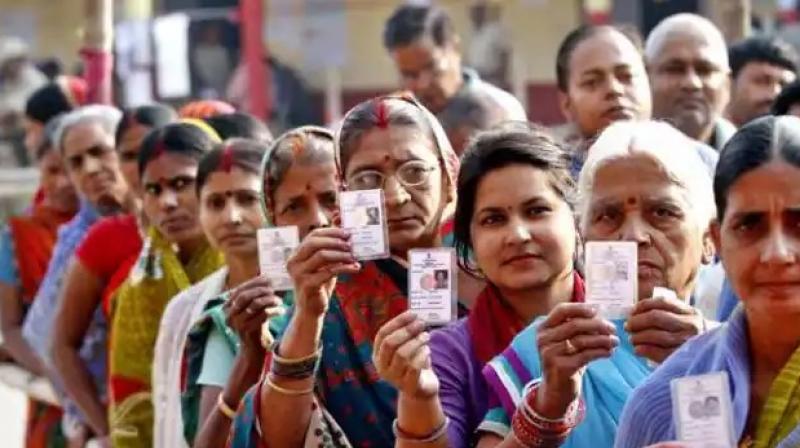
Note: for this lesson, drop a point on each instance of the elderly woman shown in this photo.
(642, 182)
(757, 238)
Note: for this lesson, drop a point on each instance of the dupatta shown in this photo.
(157, 276)
(607, 384)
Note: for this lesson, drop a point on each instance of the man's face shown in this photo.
(431, 72)
(690, 82)
(754, 90)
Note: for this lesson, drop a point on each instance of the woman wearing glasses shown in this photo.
(322, 387)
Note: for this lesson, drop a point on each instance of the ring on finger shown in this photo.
(570, 347)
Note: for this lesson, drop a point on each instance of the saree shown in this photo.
(354, 406)
(606, 385)
(178, 317)
(157, 277)
(781, 412)
(32, 239)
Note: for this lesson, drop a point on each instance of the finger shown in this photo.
(671, 305)
(589, 342)
(662, 320)
(576, 327)
(245, 299)
(582, 358)
(393, 325)
(324, 258)
(567, 311)
(258, 304)
(393, 341)
(652, 352)
(659, 338)
(408, 351)
(327, 238)
(345, 268)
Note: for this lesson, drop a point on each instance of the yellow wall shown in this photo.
(57, 26)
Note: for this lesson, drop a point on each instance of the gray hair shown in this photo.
(674, 153)
(106, 116)
(685, 24)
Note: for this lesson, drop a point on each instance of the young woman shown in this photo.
(641, 183)
(299, 188)
(26, 245)
(390, 143)
(105, 254)
(759, 347)
(514, 226)
(176, 254)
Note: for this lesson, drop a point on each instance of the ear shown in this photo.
(565, 105)
(711, 242)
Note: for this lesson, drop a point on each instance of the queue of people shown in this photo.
(133, 282)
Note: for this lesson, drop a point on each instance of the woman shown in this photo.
(240, 124)
(26, 246)
(755, 191)
(175, 255)
(391, 143)
(105, 254)
(49, 101)
(636, 186)
(514, 227)
(299, 189)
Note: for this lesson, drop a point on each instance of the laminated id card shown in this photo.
(363, 214)
(611, 277)
(275, 246)
(432, 285)
(701, 407)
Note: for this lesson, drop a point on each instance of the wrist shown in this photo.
(553, 400)
(306, 311)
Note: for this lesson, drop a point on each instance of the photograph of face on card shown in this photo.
(702, 409)
(275, 246)
(611, 277)
(362, 214)
(432, 294)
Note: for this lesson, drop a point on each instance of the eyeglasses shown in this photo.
(412, 174)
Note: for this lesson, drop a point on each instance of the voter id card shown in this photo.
(611, 277)
(275, 246)
(432, 285)
(363, 215)
(701, 408)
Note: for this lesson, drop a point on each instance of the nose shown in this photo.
(91, 165)
(633, 229)
(518, 232)
(168, 199)
(319, 219)
(692, 80)
(778, 249)
(615, 87)
(234, 214)
(396, 195)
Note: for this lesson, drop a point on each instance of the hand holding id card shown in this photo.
(275, 246)
(363, 214)
(432, 285)
(701, 408)
(611, 277)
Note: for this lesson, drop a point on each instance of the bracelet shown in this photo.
(296, 369)
(291, 392)
(223, 407)
(399, 434)
(533, 430)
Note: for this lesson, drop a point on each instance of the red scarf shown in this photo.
(492, 323)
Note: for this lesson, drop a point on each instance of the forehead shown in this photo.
(417, 53)
(302, 178)
(395, 143)
(759, 68)
(84, 135)
(632, 176)
(768, 186)
(511, 185)
(236, 179)
(691, 47)
(603, 51)
(169, 165)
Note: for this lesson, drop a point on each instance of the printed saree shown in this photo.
(607, 384)
(33, 238)
(780, 416)
(354, 406)
(157, 277)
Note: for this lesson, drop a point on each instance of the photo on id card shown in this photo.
(275, 246)
(611, 277)
(432, 285)
(363, 214)
(701, 408)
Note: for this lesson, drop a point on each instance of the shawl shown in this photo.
(606, 385)
(178, 317)
(155, 279)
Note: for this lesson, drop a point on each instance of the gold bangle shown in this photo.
(223, 407)
(317, 353)
(285, 391)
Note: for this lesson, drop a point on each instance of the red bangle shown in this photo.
(532, 430)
